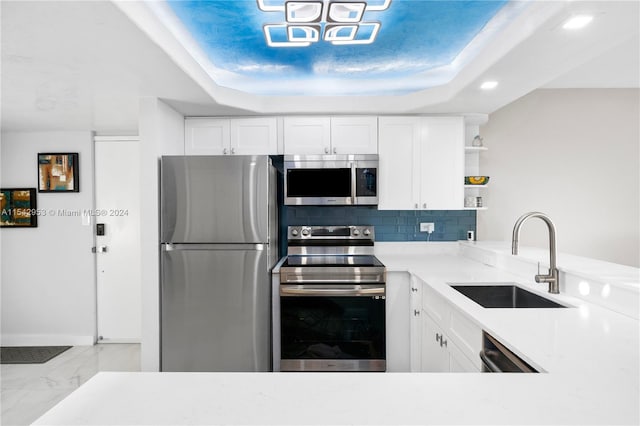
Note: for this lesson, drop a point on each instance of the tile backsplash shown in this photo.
(390, 225)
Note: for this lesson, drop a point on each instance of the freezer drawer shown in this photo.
(209, 199)
(215, 306)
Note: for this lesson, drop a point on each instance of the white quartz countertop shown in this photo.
(589, 355)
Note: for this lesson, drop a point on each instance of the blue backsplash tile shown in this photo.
(390, 225)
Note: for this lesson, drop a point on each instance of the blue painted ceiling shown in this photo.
(416, 38)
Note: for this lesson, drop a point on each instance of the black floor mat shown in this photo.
(29, 354)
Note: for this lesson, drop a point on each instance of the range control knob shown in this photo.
(356, 232)
(366, 232)
(305, 232)
(294, 232)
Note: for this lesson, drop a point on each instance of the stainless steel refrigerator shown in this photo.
(218, 245)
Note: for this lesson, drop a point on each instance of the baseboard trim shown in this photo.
(46, 340)
(120, 340)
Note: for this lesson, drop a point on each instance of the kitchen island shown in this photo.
(588, 355)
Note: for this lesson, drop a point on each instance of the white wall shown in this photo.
(161, 133)
(48, 272)
(573, 154)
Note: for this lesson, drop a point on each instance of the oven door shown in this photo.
(329, 327)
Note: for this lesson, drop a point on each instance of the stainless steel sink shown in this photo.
(504, 296)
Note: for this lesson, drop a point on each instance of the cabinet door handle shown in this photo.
(414, 289)
(224, 151)
(443, 342)
(439, 338)
(424, 205)
(335, 150)
(416, 313)
(416, 205)
(326, 150)
(233, 150)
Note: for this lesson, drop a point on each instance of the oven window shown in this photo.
(332, 327)
(319, 183)
(366, 182)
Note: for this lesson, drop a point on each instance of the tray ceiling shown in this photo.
(376, 48)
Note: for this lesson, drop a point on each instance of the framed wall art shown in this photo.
(18, 208)
(58, 172)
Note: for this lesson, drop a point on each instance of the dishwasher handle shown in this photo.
(490, 366)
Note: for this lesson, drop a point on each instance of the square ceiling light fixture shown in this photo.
(306, 22)
(303, 11)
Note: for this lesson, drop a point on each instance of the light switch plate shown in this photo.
(427, 227)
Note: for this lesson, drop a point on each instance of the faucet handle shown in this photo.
(539, 277)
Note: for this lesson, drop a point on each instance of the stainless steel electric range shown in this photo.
(331, 301)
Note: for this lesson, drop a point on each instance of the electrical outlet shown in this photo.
(428, 227)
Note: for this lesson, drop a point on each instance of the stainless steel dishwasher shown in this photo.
(496, 358)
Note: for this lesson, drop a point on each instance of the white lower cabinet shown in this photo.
(439, 353)
(435, 353)
(449, 340)
(398, 336)
(415, 326)
(459, 363)
(434, 336)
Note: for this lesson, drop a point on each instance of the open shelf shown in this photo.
(472, 165)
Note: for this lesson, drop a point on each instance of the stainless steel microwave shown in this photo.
(331, 180)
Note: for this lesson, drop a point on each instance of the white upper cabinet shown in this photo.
(330, 135)
(354, 135)
(206, 136)
(398, 171)
(442, 164)
(421, 163)
(254, 136)
(307, 135)
(237, 136)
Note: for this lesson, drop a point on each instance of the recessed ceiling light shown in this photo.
(488, 85)
(577, 22)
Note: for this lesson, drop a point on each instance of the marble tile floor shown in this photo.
(30, 390)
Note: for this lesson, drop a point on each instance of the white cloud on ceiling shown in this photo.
(325, 67)
(262, 68)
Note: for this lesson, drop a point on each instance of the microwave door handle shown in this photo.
(353, 183)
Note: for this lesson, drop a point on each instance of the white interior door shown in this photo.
(117, 180)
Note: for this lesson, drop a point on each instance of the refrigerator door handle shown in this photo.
(223, 247)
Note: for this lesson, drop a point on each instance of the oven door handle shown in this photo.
(347, 290)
